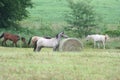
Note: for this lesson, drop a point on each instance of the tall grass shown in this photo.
(90, 64)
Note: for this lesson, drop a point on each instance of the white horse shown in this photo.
(34, 39)
(50, 43)
(98, 38)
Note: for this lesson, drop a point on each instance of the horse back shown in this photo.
(34, 39)
(98, 37)
(11, 37)
(47, 42)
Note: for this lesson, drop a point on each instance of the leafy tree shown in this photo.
(12, 11)
(81, 17)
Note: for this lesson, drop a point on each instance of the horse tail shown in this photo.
(2, 35)
(35, 45)
(29, 41)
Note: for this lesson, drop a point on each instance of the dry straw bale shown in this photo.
(70, 44)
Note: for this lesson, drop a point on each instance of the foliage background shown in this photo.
(53, 13)
(47, 18)
(12, 11)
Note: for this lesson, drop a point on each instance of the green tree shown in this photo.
(81, 17)
(12, 11)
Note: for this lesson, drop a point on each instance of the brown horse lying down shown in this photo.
(12, 37)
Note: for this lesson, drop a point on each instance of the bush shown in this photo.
(81, 17)
(113, 33)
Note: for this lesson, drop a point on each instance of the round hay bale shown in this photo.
(70, 44)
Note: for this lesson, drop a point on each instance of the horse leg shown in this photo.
(39, 48)
(94, 44)
(103, 45)
(55, 48)
(35, 46)
(4, 42)
(12, 44)
(15, 44)
(34, 49)
(98, 44)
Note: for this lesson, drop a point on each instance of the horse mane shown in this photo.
(47, 37)
(57, 36)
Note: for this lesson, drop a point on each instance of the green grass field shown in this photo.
(50, 14)
(89, 64)
(47, 17)
(53, 11)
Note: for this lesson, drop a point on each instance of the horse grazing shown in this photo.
(34, 39)
(12, 37)
(23, 40)
(49, 42)
(98, 38)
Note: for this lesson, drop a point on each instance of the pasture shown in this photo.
(89, 64)
(46, 18)
(54, 11)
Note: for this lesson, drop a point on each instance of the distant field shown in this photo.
(49, 10)
(89, 64)
(53, 11)
(108, 10)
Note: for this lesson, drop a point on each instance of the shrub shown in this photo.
(113, 33)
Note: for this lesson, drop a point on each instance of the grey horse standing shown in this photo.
(49, 42)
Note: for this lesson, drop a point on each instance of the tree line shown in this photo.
(12, 11)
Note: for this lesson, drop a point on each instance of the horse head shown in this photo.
(106, 37)
(61, 34)
(18, 37)
(88, 37)
(23, 40)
